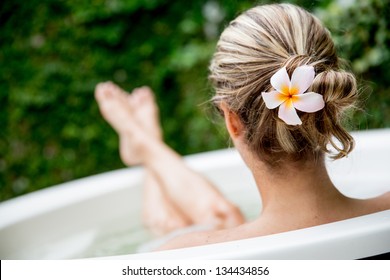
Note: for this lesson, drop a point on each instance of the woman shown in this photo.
(283, 94)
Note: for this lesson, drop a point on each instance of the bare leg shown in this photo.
(196, 197)
(191, 192)
(159, 214)
(181, 183)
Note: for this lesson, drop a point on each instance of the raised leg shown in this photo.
(194, 194)
(159, 214)
(135, 118)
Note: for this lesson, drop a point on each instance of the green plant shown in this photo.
(53, 53)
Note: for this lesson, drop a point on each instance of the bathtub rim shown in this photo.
(318, 242)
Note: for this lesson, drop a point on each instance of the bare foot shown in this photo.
(145, 111)
(113, 105)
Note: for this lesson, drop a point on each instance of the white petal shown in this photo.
(288, 113)
(302, 78)
(280, 80)
(273, 99)
(309, 102)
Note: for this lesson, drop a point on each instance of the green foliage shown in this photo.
(361, 30)
(53, 53)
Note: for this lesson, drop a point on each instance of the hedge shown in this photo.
(53, 53)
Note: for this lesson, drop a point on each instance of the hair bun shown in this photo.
(339, 90)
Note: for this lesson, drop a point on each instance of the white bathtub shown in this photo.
(99, 216)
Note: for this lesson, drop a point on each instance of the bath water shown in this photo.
(128, 240)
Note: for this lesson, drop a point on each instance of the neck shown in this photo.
(296, 188)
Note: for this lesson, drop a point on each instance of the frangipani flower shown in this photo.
(289, 95)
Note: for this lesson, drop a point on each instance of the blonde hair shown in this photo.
(250, 50)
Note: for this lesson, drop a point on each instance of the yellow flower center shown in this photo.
(289, 91)
(289, 95)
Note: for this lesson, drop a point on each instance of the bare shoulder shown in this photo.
(383, 201)
(376, 204)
